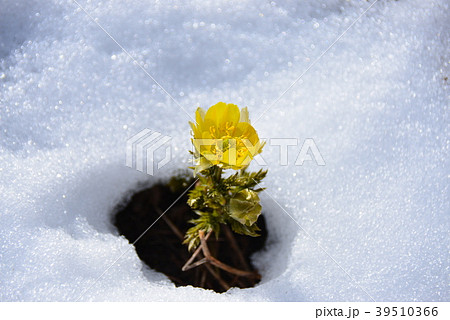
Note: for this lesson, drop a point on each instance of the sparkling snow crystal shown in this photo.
(372, 223)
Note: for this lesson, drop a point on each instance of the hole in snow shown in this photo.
(161, 247)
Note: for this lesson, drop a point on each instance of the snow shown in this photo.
(372, 223)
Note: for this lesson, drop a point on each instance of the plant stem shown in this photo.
(216, 174)
(196, 252)
(171, 225)
(233, 242)
(222, 265)
(208, 258)
(224, 285)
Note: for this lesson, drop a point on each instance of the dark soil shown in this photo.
(161, 247)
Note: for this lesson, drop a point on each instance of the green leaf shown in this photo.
(244, 207)
(218, 200)
(243, 229)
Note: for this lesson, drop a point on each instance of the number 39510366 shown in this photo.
(406, 311)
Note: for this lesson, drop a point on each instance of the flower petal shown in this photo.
(195, 130)
(244, 115)
(200, 115)
(215, 132)
(221, 113)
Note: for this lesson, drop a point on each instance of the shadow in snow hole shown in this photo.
(161, 246)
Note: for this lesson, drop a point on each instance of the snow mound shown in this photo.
(371, 224)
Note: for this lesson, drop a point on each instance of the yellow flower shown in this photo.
(223, 136)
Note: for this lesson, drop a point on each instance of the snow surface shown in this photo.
(376, 105)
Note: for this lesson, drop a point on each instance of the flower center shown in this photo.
(225, 140)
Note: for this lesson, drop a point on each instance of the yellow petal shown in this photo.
(199, 115)
(195, 130)
(199, 118)
(220, 113)
(244, 160)
(244, 115)
(245, 129)
(202, 165)
(230, 157)
(224, 123)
